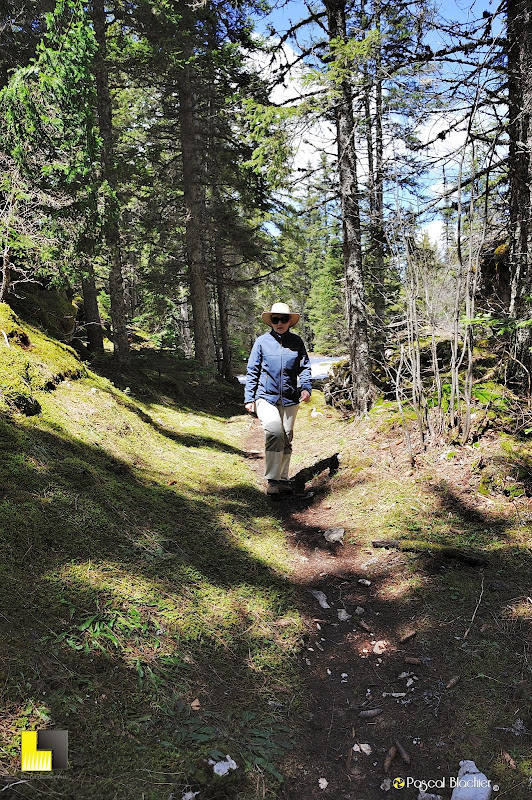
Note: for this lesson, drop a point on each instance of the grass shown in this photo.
(147, 604)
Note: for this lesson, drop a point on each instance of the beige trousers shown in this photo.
(278, 425)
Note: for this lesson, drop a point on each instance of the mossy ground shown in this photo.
(147, 606)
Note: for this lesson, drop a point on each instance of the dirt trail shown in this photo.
(358, 664)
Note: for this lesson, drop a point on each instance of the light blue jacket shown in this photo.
(274, 365)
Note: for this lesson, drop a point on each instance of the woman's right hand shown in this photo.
(250, 407)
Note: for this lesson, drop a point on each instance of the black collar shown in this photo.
(279, 336)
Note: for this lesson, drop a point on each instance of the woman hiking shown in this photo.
(277, 360)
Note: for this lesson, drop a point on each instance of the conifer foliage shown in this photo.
(151, 163)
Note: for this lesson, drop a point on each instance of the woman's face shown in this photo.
(280, 322)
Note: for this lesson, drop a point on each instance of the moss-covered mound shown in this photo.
(30, 362)
(147, 607)
(50, 310)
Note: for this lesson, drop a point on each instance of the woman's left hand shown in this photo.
(305, 396)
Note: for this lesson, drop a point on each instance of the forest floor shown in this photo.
(157, 605)
(439, 645)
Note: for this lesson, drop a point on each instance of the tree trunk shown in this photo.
(225, 368)
(379, 236)
(93, 321)
(188, 344)
(354, 278)
(6, 252)
(520, 173)
(6, 273)
(194, 197)
(111, 212)
(375, 147)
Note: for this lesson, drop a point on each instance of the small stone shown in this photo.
(364, 582)
(323, 783)
(362, 748)
(320, 597)
(343, 616)
(334, 535)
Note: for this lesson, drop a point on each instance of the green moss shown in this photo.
(492, 394)
(30, 362)
(48, 309)
(158, 575)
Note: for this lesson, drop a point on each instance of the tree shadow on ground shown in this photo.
(185, 439)
(123, 602)
(179, 380)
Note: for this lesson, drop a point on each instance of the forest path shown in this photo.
(347, 663)
(431, 641)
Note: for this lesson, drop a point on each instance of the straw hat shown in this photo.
(280, 309)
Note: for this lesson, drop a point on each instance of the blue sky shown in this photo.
(283, 14)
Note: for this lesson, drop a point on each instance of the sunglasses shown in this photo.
(284, 319)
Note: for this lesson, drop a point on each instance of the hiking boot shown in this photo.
(272, 487)
(285, 487)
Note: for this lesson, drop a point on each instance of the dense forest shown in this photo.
(172, 169)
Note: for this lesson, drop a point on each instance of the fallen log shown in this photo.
(432, 549)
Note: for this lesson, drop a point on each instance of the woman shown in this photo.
(276, 361)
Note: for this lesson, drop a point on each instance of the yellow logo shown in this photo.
(398, 783)
(43, 751)
(33, 759)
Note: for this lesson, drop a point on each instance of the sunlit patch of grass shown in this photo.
(400, 588)
(317, 437)
(184, 603)
(520, 609)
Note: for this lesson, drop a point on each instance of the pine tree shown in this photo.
(49, 148)
(108, 187)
